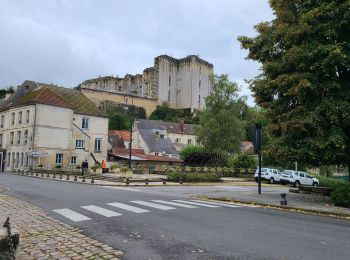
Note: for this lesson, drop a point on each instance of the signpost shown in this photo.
(257, 149)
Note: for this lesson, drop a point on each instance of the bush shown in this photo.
(194, 177)
(186, 151)
(341, 195)
(242, 161)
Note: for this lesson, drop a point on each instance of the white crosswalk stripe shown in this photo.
(218, 204)
(104, 212)
(197, 204)
(152, 205)
(72, 215)
(128, 207)
(175, 204)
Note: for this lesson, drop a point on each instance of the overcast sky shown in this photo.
(68, 41)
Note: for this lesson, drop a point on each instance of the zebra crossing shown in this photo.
(142, 207)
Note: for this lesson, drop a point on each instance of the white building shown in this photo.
(50, 125)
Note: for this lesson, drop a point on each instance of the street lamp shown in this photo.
(126, 99)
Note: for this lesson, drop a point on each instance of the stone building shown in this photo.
(50, 125)
(182, 83)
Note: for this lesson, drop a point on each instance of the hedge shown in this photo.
(341, 190)
(194, 177)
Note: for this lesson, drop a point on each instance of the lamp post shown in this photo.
(126, 99)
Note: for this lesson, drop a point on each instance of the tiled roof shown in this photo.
(146, 129)
(121, 133)
(31, 92)
(175, 128)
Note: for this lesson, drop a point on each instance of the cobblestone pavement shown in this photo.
(43, 237)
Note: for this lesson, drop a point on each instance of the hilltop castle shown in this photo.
(182, 83)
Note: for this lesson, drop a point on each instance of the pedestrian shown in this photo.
(84, 168)
(104, 166)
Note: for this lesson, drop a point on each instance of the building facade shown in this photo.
(52, 126)
(182, 83)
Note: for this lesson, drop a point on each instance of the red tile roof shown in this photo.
(121, 133)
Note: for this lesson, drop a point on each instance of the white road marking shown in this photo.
(72, 215)
(152, 205)
(218, 203)
(175, 204)
(122, 188)
(197, 204)
(104, 212)
(128, 207)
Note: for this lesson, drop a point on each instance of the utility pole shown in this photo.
(257, 149)
(132, 122)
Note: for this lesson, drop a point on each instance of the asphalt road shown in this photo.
(183, 232)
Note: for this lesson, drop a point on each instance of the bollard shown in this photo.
(127, 182)
(48, 175)
(164, 182)
(54, 175)
(283, 200)
(180, 181)
(146, 181)
(67, 177)
(92, 180)
(42, 174)
(75, 178)
(83, 179)
(60, 176)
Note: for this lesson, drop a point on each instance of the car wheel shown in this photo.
(315, 184)
(272, 181)
(297, 184)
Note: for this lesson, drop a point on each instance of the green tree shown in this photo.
(242, 161)
(190, 149)
(119, 121)
(8, 90)
(305, 81)
(221, 129)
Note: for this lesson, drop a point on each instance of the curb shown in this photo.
(284, 208)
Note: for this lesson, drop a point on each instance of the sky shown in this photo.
(66, 42)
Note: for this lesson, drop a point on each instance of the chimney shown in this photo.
(182, 125)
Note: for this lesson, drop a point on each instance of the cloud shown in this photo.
(67, 42)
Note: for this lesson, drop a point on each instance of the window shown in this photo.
(73, 160)
(18, 137)
(169, 80)
(22, 159)
(27, 159)
(25, 137)
(17, 160)
(20, 117)
(98, 144)
(161, 136)
(169, 96)
(2, 121)
(11, 137)
(59, 158)
(157, 134)
(12, 118)
(79, 144)
(199, 84)
(85, 123)
(302, 175)
(27, 116)
(189, 141)
(0, 140)
(199, 99)
(156, 154)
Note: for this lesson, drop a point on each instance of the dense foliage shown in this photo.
(221, 128)
(167, 114)
(341, 190)
(190, 149)
(305, 81)
(242, 161)
(194, 177)
(8, 90)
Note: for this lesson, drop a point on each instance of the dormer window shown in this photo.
(157, 134)
(161, 136)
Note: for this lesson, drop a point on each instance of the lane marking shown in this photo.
(72, 215)
(218, 203)
(104, 212)
(197, 204)
(175, 204)
(128, 207)
(152, 205)
(122, 188)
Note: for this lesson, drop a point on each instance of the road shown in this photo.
(172, 228)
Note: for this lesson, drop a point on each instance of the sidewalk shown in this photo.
(315, 204)
(43, 237)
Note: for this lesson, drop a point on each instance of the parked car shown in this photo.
(302, 178)
(285, 176)
(268, 174)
